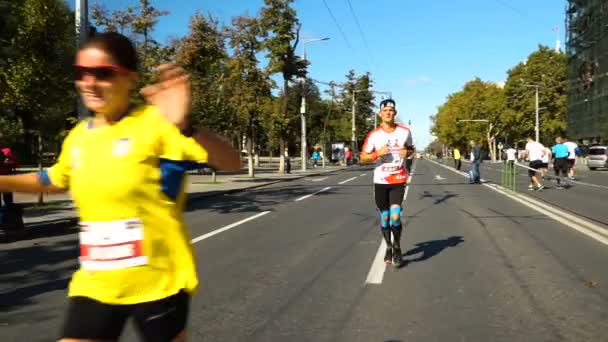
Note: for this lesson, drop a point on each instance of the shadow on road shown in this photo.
(431, 248)
(439, 198)
(29, 271)
(255, 200)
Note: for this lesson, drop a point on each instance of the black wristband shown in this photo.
(188, 131)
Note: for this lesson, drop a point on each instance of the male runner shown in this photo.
(560, 164)
(535, 152)
(387, 147)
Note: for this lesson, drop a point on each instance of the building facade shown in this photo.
(587, 81)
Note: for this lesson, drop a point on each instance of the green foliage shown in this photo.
(546, 68)
(510, 110)
(36, 54)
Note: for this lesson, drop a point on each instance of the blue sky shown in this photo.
(420, 50)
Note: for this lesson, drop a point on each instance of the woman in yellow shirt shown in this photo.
(125, 169)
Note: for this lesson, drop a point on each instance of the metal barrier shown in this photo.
(509, 174)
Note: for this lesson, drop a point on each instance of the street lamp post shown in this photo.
(81, 11)
(536, 125)
(303, 104)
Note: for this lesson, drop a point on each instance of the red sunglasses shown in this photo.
(100, 72)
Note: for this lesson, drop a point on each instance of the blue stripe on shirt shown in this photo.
(173, 173)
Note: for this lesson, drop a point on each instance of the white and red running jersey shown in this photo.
(390, 168)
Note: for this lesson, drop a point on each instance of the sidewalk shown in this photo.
(58, 208)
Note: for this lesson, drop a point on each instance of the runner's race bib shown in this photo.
(111, 245)
(394, 163)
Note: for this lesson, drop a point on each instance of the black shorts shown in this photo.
(560, 164)
(388, 194)
(158, 321)
(571, 163)
(535, 164)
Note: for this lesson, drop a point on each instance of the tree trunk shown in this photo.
(250, 152)
(284, 110)
(281, 155)
(250, 157)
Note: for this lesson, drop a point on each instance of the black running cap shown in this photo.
(388, 103)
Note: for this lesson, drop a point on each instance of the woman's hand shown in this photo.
(172, 94)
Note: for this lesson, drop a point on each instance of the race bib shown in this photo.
(111, 245)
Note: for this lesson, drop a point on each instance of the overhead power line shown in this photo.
(337, 24)
(369, 51)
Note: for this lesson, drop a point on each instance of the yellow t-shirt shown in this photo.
(132, 171)
(456, 154)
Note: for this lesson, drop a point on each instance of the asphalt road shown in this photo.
(480, 267)
(587, 196)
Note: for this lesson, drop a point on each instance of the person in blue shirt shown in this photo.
(315, 158)
(560, 162)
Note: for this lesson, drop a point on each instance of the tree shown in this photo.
(478, 100)
(138, 23)
(280, 28)
(203, 54)
(35, 79)
(546, 68)
(250, 86)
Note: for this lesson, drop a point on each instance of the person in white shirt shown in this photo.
(571, 157)
(544, 169)
(387, 147)
(535, 152)
(511, 155)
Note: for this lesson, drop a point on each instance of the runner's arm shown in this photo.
(221, 154)
(27, 183)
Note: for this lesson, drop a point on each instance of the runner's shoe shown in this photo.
(388, 256)
(397, 257)
(540, 187)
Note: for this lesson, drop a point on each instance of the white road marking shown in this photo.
(376, 271)
(438, 177)
(363, 174)
(348, 180)
(230, 226)
(582, 226)
(319, 179)
(314, 193)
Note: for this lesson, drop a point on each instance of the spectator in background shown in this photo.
(287, 161)
(511, 156)
(476, 156)
(348, 155)
(8, 164)
(315, 158)
(457, 159)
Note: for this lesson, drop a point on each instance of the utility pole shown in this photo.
(536, 128)
(353, 137)
(537, 124)
(303, 104)
(82, 31)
